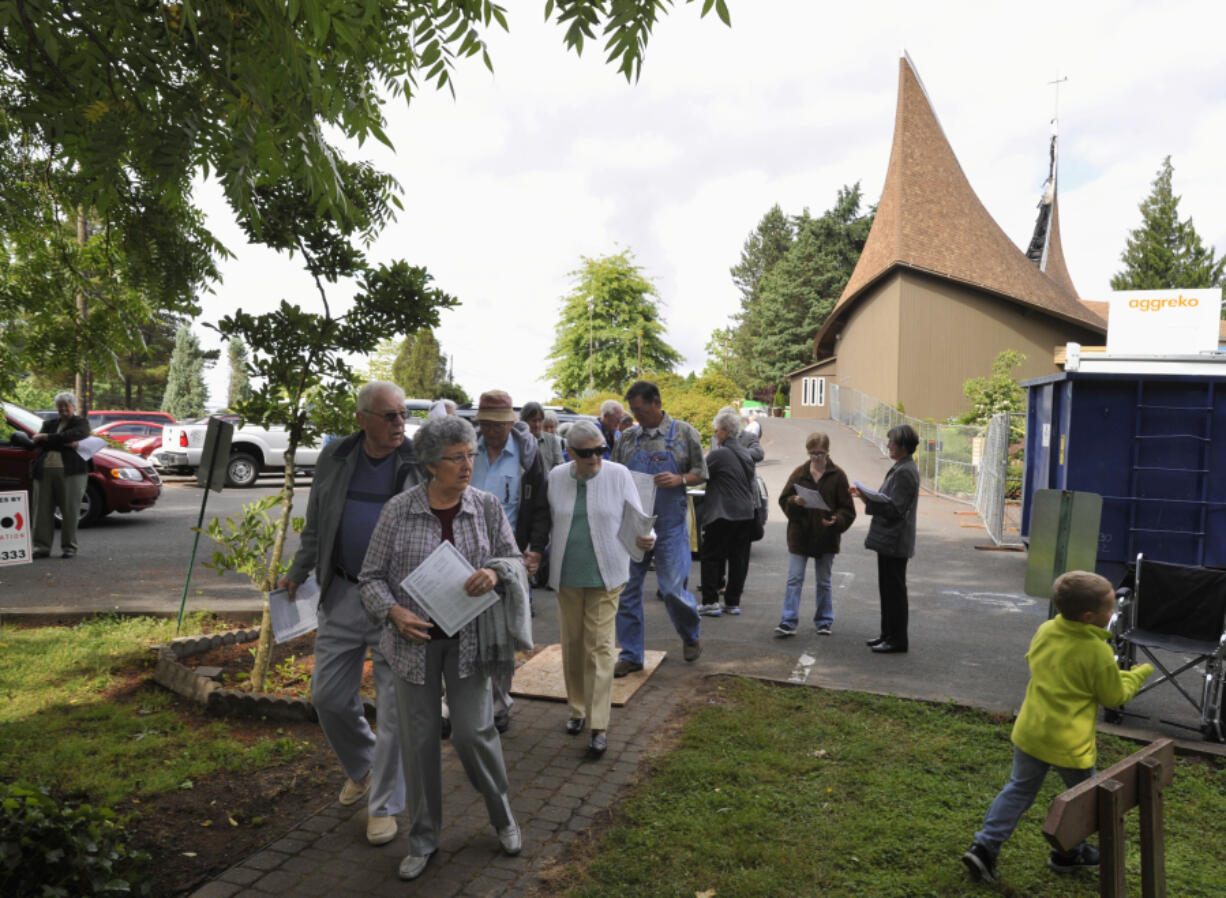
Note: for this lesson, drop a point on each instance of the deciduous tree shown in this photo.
(239, 387)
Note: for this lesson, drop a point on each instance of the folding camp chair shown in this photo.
(1180, 610)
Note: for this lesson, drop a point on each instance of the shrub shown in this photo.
(60, 850)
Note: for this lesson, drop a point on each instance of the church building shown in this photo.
(940, 290)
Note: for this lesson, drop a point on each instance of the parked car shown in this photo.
(146, 446)
(106, 416)
(128, 432)
(118, 481)
(469, 410)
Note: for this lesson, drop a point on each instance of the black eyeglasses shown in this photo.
(588, 453)
(389, 417)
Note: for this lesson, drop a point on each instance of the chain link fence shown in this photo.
(952, 458)
(997, 496)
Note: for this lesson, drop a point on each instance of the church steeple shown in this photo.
(930, 219)
(1045, 250)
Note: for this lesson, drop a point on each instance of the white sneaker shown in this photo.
(380, 830)
(510, 839)
(711, 610)
(413, 865)
(352, 793)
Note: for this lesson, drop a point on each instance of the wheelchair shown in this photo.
(1166, 610)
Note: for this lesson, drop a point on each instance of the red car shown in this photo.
(107, 416)
(128, 432)
(118, 481)
(145, 446)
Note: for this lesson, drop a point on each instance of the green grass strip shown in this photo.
(57, 727)
(798, 792)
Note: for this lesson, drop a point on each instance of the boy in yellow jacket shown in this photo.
(1072, 672)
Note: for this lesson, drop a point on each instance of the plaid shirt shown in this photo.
(687, 445)
(406, 534)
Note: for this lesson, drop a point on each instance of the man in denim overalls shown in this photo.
(671, 451)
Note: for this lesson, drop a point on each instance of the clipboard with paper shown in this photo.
(291, 619)
(811, 499)
(437, 584)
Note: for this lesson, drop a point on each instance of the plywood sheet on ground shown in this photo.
(541, 677)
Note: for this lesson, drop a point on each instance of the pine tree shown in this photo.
(798, 294)
(185, 391)
(418, 364)
(240, 387)
(766, 245)
(1165, 252)
(610, 331)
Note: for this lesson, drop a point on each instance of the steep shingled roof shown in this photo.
(930, 219)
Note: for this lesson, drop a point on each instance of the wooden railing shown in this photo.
(1099, 805)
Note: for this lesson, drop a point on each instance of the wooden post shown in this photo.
(1109, 796)
(1153, 842)
(1099, 804)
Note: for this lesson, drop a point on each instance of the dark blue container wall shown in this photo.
(1146, 444)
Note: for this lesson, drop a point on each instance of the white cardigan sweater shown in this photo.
(607, 493)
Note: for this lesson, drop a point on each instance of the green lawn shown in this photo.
(65, 722)
(796, 791)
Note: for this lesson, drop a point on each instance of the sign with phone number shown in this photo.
(15, 529)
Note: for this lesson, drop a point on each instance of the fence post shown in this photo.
(1153, 841)
(1111, 883)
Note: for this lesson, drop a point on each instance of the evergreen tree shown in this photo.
(798, 293)
(1165, 252)
(417, 364)
(763, 248)
(240, 386)
(610, 331)
(185, 392)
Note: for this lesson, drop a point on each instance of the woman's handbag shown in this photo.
(759, 512)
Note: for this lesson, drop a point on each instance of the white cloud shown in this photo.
(553, 157)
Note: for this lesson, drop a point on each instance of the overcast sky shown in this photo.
(552, 157)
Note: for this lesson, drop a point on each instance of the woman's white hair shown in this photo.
(70, 398)
(583, 432)
(728, 419)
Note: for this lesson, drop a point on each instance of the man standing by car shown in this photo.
(510, 466)
(354, 478)
(670, 451)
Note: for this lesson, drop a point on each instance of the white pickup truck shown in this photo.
(253, 451)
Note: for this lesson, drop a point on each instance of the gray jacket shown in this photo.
(326, 504)
(892, 530)
(751, 443)
(732, 489)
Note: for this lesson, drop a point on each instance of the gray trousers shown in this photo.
(473, 737)
(345, 632)
(57, 489)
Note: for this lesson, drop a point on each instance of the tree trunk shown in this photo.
(259, 670)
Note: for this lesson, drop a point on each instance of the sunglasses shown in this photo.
(389, 417)
(588, 453)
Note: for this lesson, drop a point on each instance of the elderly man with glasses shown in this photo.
(354, 478)
(509, 465)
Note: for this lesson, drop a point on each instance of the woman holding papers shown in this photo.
(892, 536)
(590, 499)
(817, 503)
(59, 477)
(413, 532)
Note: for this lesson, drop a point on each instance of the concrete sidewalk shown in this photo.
(970, 626)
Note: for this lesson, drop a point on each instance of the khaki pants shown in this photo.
(586, 618)
(57, 490)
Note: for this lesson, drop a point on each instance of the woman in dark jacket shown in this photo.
(59, 477)
(814, 533)
(726, 516)
(892, 536)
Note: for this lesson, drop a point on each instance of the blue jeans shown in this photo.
(822, 564)
(1019, 794)
(672, 558)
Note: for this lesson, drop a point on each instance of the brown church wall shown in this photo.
(867, 348)
(951, 332)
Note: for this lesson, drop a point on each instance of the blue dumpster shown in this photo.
(1152, 445)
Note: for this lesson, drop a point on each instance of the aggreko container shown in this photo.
(1152, 445)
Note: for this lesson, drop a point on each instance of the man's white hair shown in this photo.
(366, 395)
(611, 407)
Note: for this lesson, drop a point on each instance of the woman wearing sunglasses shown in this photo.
(590, 567)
